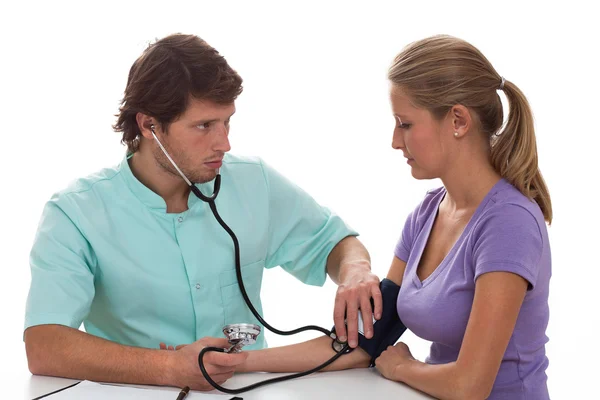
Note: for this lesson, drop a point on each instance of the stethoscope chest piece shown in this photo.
(240, 335)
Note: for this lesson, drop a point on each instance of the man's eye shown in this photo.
(204, 126)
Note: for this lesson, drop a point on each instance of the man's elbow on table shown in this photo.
(34, 358)
(37, 340)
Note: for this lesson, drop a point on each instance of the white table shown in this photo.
(364, 384)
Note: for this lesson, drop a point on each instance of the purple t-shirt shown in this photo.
(506, 233)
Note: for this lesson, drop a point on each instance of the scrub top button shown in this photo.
(197, 286)
(180, 219)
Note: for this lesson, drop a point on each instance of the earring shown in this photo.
(455, 134)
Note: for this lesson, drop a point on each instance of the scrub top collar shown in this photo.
(150, 198)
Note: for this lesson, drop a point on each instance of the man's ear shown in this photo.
(145, 123)
(461, 120)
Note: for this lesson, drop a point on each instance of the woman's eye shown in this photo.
(401, 125)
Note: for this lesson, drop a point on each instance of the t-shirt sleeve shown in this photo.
(302, 233)
(62, 284)
(404, 245)
(509, 239)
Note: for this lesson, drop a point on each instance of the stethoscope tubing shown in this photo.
(238, 270)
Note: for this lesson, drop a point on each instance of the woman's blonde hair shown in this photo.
(439, 72)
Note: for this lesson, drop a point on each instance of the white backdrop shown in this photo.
(315, 106)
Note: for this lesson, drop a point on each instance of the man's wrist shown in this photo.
(166, 362)
(349, 268)
(356, 263)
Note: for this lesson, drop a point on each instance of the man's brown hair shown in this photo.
(166, 76)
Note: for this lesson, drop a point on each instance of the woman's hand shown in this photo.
(393, 360)
(163, 346)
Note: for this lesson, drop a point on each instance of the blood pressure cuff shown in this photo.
(388, 329)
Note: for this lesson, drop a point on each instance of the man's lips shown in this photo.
(214, 163)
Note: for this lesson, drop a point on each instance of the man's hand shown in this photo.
(356, 288)
(184, 369)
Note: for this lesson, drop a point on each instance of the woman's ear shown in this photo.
(461, 120)
(145, 124)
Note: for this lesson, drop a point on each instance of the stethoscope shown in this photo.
(240, 335)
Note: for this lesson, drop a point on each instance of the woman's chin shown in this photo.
(419, 174)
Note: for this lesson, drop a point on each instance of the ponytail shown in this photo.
(514, 151)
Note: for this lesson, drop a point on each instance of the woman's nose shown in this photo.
(397, 140)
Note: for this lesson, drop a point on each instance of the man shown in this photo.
(136, 257)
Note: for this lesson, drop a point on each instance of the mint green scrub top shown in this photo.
(108, 255)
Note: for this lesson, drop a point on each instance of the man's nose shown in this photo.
(222, 141)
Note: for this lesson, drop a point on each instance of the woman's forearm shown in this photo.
(443, 381)
(301, 357)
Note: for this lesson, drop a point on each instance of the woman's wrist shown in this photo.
(402, 370)
(251, 363)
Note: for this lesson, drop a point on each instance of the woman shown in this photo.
(473, 261)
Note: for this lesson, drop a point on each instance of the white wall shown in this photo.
(315, 106)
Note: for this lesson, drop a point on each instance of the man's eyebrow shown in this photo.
(203, 121)
(206, 121)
